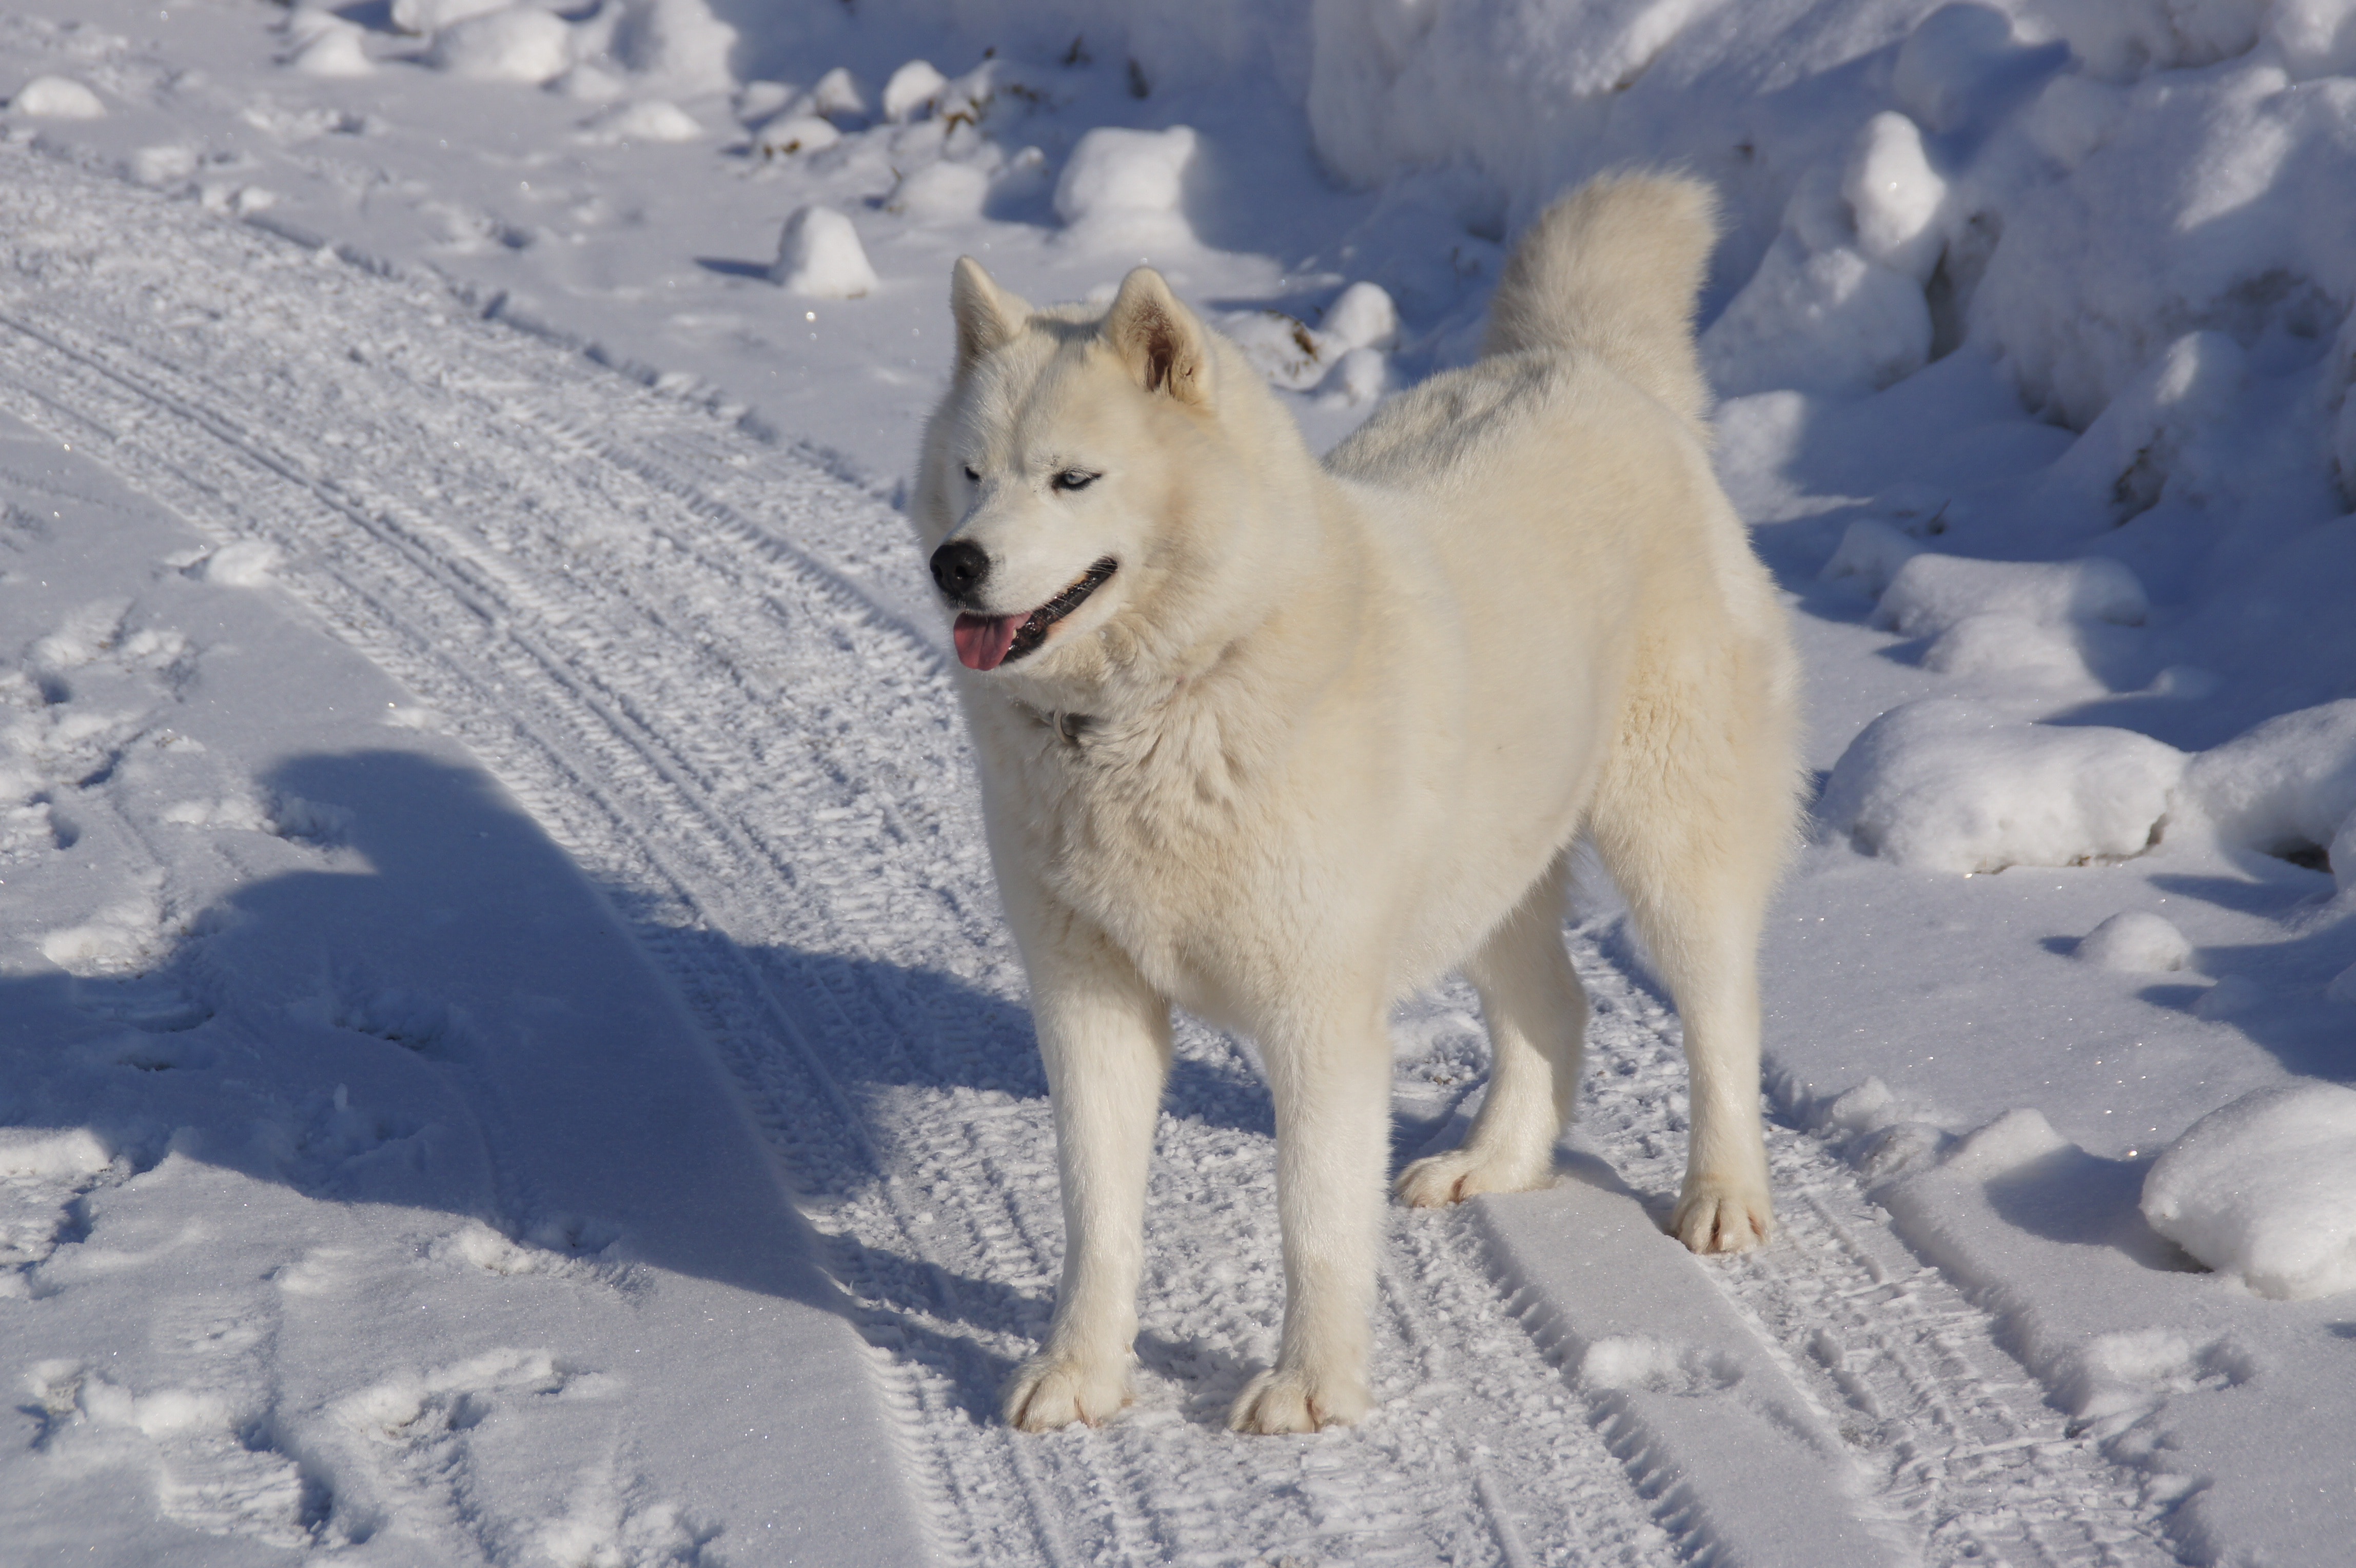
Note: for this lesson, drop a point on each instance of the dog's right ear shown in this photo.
(987, 316)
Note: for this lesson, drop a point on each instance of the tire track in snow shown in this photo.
(733, 730)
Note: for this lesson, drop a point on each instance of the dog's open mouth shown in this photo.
(985, 643)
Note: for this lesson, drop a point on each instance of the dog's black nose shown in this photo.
(960, 566)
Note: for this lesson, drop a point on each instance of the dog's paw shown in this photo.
(1460, 1174)
(1723, 1215)
(1053, 1388)
(1278, 1401)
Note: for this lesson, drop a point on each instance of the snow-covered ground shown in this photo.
(509, 1053)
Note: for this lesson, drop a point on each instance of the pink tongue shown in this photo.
(982, 640)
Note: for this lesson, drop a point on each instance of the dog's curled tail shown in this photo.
(1613, 269)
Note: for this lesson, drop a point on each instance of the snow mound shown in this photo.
(1833, 321)
(674, 46)
(57, 98)
(1365, 316)
(1127, 186)
(427, 16)
(2288, 784)
(30, 1152)
(940, 192)
(1948, 785)
(648, 120)
(818, 254)
(2135, 942)
(531, 47)
(332, 51)
(790, 134)
(2261, 1190)
(1871, 551)
(913, 88)
(244, 565)
(1998, 644)
(1930, 593)
(1894, 196)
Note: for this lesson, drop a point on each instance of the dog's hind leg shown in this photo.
(1536, 1014)
(1693, 819)
(1331, 1080)
(1105, 1036)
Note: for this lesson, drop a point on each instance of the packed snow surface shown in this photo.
(480, 794)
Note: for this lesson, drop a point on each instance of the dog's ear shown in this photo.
(1164, 347)
(987, 316)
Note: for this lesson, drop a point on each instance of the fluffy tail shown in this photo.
(1612, 270)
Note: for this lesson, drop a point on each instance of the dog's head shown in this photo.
(1085, 490)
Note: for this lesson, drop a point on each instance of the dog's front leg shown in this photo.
(1332, 1088)
(1105, 1036)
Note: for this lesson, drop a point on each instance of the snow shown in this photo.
(407, 455)
(2259, 1190)
(819, 255)
(1949, 784)
(521, 43)
(2135, 941)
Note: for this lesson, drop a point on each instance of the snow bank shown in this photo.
(676, 47)
(818, 254)
(1950, 786)
(648, 120)
(2289, 784)
(2135, 942)
(1125, 187)
(332, 51)
(2261, 1189)
(429, 16)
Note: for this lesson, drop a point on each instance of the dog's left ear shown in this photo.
(1164, 347)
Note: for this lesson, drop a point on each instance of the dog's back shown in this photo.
(1613, 269)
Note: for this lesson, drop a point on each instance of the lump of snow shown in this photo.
(57, 98)
(433, 15)
(2286, 785)
(1895, 196)
(2315, 38)
(525, 46)
(818, 254)
(2135, 942)
(2261, 1190)
(1931, 593)
(1640, 1361)
(2150, 435)
(837, 95)
(30, 1152)
(648, 120)
(332, 52)
(1948, 785)
(244, 565)
(1945, 65)
(1998, 642)
(942, 191)
(2017, 1138)
(789, 134)
(1827, 321)
(1871, 551)
(677, 47)
(1362, 317)
(914, 88)
(1289, 352)
(1122, 185)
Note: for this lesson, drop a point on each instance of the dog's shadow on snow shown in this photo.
(423, 1001)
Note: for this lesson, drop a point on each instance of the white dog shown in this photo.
(1279, 742)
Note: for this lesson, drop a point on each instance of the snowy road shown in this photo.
(701, 661)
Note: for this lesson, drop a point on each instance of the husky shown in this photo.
(1279, 741)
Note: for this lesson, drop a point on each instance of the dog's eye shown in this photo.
(972, 476)
(1075, 479)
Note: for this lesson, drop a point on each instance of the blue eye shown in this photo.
(1075, 479)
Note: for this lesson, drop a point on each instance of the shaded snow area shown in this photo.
(507, 1050)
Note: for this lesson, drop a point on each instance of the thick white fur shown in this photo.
(1332, 730)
